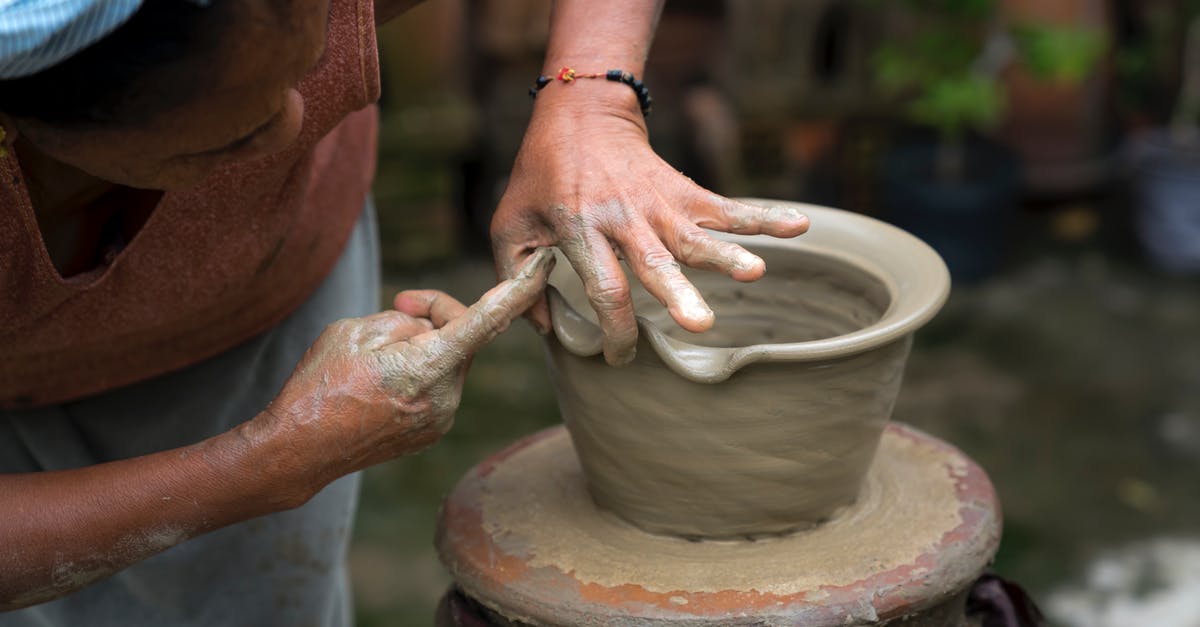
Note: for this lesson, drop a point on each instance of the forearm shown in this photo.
(63, 530)
(591, 36)
(596, 36)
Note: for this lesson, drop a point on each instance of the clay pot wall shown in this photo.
(768, 422)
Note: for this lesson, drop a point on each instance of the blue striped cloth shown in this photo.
(36, 34)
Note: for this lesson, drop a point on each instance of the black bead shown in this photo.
(533, 92)
(637, 85)
(613, 75)
(627, 78)
(542, 81)
(644, 92)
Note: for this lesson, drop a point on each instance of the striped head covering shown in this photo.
(36, 34)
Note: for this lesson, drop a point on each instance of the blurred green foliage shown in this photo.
(938, 66)
(933, 73)
(1065, 54)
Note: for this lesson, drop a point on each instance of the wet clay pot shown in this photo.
(768, 422)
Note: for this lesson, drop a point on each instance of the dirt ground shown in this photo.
(1072, 377)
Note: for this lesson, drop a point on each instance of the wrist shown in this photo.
(268, 465)
(598, 61)
(586, 98)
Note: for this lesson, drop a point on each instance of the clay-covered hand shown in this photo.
(587, 181)
(374, 388)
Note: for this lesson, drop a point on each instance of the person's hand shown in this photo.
(587, 181)
(374, 388)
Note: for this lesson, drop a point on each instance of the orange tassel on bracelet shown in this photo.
(569, 75)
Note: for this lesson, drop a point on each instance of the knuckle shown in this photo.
(660, 261)
(692, 241)
(414, 406)
(437, 350)
(394, 373)
(341, 326)
(489, 319)
(347, 332)
(610, 295)
(724, 250)
(739, 216)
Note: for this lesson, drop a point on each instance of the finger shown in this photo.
(447, 348)
(723, 214)
(387, 327)
(697, 249)
(658, 270)
(607, 291)
(508, 259)
(434, 305)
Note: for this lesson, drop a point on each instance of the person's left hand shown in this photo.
(587, 181)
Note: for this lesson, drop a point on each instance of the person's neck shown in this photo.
(56, 189)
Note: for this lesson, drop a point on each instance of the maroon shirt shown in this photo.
(212, 266)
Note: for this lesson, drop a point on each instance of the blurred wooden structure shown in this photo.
(769, 98)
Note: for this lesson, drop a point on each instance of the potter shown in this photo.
(768, 422)
(195, 366)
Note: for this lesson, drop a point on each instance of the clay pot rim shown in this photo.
(914, 275)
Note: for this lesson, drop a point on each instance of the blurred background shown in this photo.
(1047, 148)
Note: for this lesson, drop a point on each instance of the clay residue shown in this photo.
(68, 575)
(536, 506)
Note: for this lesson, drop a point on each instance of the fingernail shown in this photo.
(624, 357)
(541, 260)
(748, 261)
(692, 307)
(784, 214)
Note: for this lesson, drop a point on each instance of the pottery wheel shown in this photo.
(521, 535)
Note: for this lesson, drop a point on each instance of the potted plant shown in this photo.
(954, 187)
(1058, 120)
(1166, 170)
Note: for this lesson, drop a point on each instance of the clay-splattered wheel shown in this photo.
(522, 537)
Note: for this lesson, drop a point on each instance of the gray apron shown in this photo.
(286, 569)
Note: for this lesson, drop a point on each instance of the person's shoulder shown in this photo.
(349, 69)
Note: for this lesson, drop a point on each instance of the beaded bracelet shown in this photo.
(568, 75)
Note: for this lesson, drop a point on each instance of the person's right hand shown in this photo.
(368, 390)
(378, 387)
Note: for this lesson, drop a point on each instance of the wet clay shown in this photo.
(768, 422)
(522, 535)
